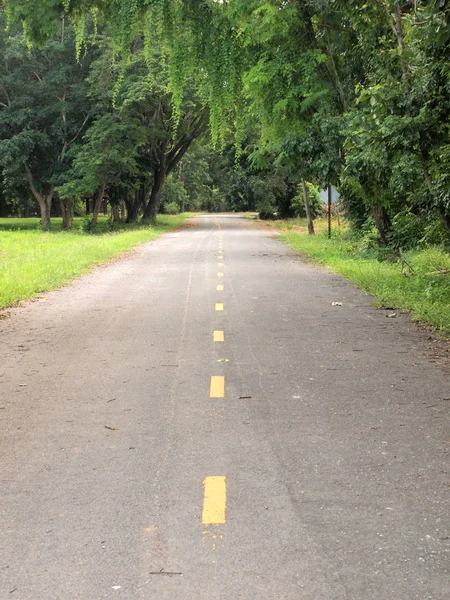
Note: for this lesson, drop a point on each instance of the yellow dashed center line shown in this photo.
(219, 336)
(214, 501)
(217, 387)
(219, 306)
(219, 288)
(220, 264)
(219, 274)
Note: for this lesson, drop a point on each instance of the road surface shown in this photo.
(197, 421)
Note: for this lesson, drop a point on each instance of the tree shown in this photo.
(107, 156)
(136, 141)
(43, 111)
(348, 92)
(145, 94)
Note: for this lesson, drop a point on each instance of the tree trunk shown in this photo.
(45, 199)
(115, 212)
(66, 211)
(151, 209)
(130, 203)
(45, 205)
(307, 208)
(382, 222)
(134, 204)
(97, 204)
(398, 29)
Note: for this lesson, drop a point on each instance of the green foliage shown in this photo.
(195, 178)
(349, 92)
(172, 208)
(173, 196)
(43, 112)
(193, 34)
(107, 156)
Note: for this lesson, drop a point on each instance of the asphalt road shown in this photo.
(304, 457)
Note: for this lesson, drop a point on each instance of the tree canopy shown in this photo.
(349, 93)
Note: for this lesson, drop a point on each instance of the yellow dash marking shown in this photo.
(219, 274)
(220, 256)
(219, 336)
(219, 306)
(219, 288)
(214, 501)
(220, 264)
(217, 388)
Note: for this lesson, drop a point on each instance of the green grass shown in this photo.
(426, 296)
(33, 261)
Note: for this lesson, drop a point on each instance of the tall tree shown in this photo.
(354, 91)
(43, 110)
(137, 90)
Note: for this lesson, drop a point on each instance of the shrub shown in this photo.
(407, 231)
(172, 208)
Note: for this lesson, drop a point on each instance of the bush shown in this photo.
(268, 214)
(435, 234)
(172, 208)
(407, 231)
(87, 225)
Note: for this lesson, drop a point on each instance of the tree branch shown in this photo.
(30, 178)
(78, 133)
(5, 91)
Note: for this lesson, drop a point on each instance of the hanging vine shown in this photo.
(197, 37)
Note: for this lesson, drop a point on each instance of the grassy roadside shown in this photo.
(409, 286)
(32, 261)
